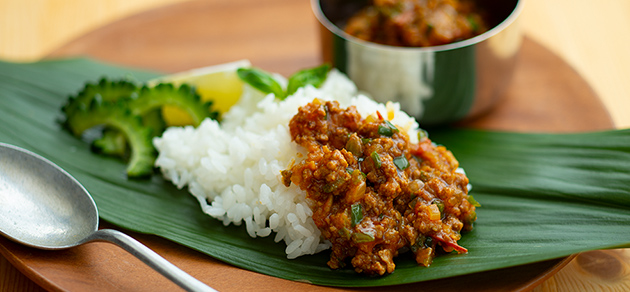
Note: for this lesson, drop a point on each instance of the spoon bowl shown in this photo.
(44, 207)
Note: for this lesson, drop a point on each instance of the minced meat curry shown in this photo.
(417, 23)
(375, 194)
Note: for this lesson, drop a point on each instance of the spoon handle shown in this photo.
(150, 258)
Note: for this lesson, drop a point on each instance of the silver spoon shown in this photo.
(43, 206)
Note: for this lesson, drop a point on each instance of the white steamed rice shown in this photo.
(233, 168)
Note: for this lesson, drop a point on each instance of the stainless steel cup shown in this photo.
(437, 85)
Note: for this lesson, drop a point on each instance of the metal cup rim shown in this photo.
(321, 17)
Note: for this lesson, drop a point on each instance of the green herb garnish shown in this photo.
(313, 76)
(262, 81)
(265, 82)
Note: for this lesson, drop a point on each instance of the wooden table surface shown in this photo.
(588, 35)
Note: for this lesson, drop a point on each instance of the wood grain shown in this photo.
(277, 35)
(282, 36)
(105, 267)
(546, 95)
(590, 35)
(29, 30)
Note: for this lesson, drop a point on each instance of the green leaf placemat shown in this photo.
(543, 196)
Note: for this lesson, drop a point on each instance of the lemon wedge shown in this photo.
(218, 83)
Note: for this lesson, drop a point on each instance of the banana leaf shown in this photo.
(543, 196)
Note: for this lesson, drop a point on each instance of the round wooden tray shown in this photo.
(282, 36)
(546, 95)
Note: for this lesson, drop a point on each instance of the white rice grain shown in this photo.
(293, 246)
(264, 232)
(274, 220)
(233, 168)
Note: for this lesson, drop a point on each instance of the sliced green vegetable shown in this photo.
(401, 162)
(115, 115)
(428, 241)
(422, 242)
(361, 237)
(137, 109)
(385, 131)
(388, 129)
(153, 119)
(152, 99)
(112, 142)
(356, 214)
(391, 126)
(345, 233)
(376, 159)
(105, 89)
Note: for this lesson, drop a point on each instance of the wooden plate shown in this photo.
(546, 95)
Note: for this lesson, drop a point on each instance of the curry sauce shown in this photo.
(373, 193)
(417, 23)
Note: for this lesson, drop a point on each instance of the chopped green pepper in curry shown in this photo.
(375, 194)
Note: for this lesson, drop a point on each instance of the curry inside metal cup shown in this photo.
(437, 85)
